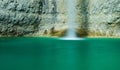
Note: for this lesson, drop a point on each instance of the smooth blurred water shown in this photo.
(70, 6)
(57, 54)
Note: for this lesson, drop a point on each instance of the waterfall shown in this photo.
(70, 6)
(70, 34)
(71, 13)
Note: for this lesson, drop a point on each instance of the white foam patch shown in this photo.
(71, 38)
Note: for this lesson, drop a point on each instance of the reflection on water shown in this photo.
(56, 54)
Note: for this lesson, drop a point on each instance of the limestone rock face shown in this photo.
(48, 17)
(19, 17)
(28, 17)
(99, 17)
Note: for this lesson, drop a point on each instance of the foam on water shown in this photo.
(71, 38)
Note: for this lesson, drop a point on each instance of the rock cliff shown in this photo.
(98, 17)
(31, 17)
(48, 18)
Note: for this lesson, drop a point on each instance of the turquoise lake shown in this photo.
(56, 54)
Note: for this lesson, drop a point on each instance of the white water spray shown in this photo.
(71, 33)
(70, 6)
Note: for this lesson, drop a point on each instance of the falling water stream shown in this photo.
(71, 13)
(70, 6)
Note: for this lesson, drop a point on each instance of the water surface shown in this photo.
(56, 54)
